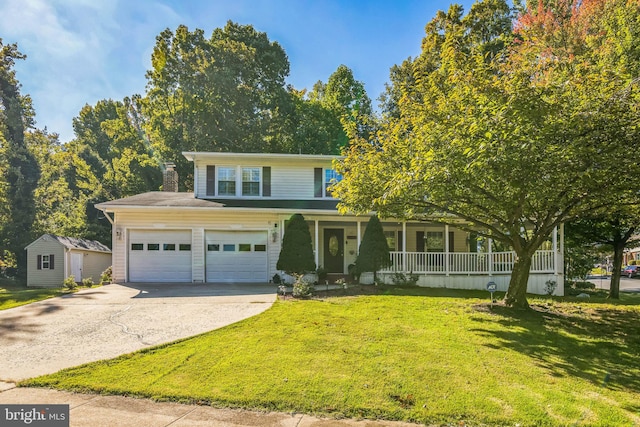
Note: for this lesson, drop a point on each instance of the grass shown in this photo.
(431, 356)
(14, 295)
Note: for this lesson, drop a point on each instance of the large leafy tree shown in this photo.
(513, 130)
(223, 93)
(20, 171)
(112, 158)
(347, 100)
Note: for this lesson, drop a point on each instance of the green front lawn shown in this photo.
(12, 295)
(433, 356)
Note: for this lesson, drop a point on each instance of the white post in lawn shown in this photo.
(446, 248)
(317, 244)
(359, 235)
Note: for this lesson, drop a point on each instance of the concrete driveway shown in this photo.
(108, 321)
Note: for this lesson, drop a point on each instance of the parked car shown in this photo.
(631, 270)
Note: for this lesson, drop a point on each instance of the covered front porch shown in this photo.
(441, 255)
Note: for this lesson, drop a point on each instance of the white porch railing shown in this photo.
(465, 262)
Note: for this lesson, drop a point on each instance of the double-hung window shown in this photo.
(45, 262)
(330, 177)
(226, 181)
(250, 181)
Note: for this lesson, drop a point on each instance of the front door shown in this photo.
(334, 250)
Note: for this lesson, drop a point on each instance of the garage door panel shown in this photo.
(236, 256)
(160, 256)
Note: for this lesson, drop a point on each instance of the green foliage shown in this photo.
(70, 283)
(322, 274)
(106, 276)
(296, 254)
(512, 130)
(302, 287)
(19, 169)
(401, 279)
(373, 253)
(550, 287)
(88, 282)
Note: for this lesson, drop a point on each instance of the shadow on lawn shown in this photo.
(597, 344)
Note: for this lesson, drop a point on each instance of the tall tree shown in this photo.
(20, 169)
(224, 93)
(347, 99)
(615, 230)
(514, 131)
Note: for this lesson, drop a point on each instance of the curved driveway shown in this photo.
(108, 321)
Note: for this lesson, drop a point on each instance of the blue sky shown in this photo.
(82, 51)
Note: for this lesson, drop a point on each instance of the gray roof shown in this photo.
(77, 243)
(188, 200)
(160, 199)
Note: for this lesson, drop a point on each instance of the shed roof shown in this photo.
(75, 243)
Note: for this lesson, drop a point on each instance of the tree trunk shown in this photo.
(517, 293)
(614, 287)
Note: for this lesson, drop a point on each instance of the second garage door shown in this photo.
(160, 256)
(236, 256)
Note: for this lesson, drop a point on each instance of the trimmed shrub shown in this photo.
(296, 255)
(373, 253)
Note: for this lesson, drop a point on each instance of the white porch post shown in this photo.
(359, 235)
(560, 254)
(317, 245)
(490, 266)
(446, 248)
(554, 241)
(404, 247)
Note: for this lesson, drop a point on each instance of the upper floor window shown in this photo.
(226, 181)
(330, 177)
(250, 181)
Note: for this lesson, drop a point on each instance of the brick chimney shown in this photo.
(170, 178)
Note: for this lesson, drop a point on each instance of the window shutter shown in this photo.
(39, 262)
(317, 182)
(419, 241)
(451, 244)
(211, 180)
(400, 240)
(51, 262)
(266, 181)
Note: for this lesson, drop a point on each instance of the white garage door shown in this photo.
(160, 256)
(236, 256)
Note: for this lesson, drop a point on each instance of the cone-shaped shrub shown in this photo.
(296, 255)
(374, 250)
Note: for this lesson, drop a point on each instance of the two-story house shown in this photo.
(230, 230)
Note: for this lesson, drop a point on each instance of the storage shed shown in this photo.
(50, 259)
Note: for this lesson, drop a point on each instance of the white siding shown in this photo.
(289, 179)
(93, 264)
(45, 278)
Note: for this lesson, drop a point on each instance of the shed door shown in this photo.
(159, 256)
(76, 265)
